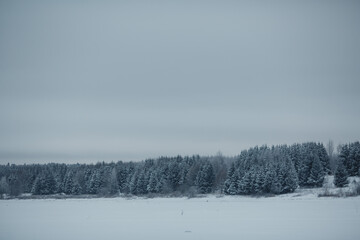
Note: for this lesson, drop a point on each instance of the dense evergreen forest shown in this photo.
(258, 170)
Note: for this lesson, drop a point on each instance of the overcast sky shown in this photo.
(119, 80)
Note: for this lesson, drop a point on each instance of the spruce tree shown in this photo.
(151, 187)
(44, 184)
(233, 189)
(69, 183)
(230, 181)
(324, 158)
(133, 184)
(304, 171)
(259, 181)
(316, 177)
(344, 157)
(76, 188)
(269, 176)
(141, 184)
(341, 175)
(289, 177)
(354, 158)
(246, 183)
(275, 186)
(4, 186)
(36, 189)
(205, 178)
(95, 182)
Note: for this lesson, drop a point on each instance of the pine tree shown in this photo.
(259, 181)
(133, 184)
(122, 176)
(341, 175)
(316, 177)
(141, 184)
(4, 186)
(276, 187)
(76, 188)
(354, 158)
(44, 184)
(94, 184)
(50, 183)
(233, 189)
(151, 187)
(295, 155)
(245, 185)
(174, 174)
(162, 185)
(269, 176)
(344, 157)
(205, 178)
(304, 171)
(36, 189)
(289, 177)
(69, 183)
(324, 158)
(230, 182)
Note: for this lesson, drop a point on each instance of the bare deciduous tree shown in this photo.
(330, 148)
(333, 157)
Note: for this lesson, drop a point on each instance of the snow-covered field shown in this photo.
(282, 217)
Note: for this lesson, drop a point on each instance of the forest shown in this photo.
(256, 171)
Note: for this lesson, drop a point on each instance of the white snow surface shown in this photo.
(283, 217)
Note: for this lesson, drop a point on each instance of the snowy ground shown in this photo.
(283, 217)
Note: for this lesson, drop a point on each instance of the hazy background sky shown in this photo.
(82, 81)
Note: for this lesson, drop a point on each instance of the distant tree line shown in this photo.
(258, 170)
(279, 169)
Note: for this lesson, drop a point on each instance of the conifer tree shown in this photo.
(151, 187)
(76, 188)
(289, 177)
(341, 175)
(4, 186)
(141, 184)
(133, 183)
(95, 182)
(316, 177)
(69, 183)
(230, 181)
(324, 158)
(259, 181)
(245, 185)
(354, 158)
(205, 178)
(344, 157)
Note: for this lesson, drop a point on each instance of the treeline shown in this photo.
(165, 175)
(258, 170)
(277, 170)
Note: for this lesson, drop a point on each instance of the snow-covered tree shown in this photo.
(205, 178)
(151, 187)
(341, 175)
(4, 186)
(316, 177)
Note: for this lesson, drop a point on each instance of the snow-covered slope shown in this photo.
(282, 217)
